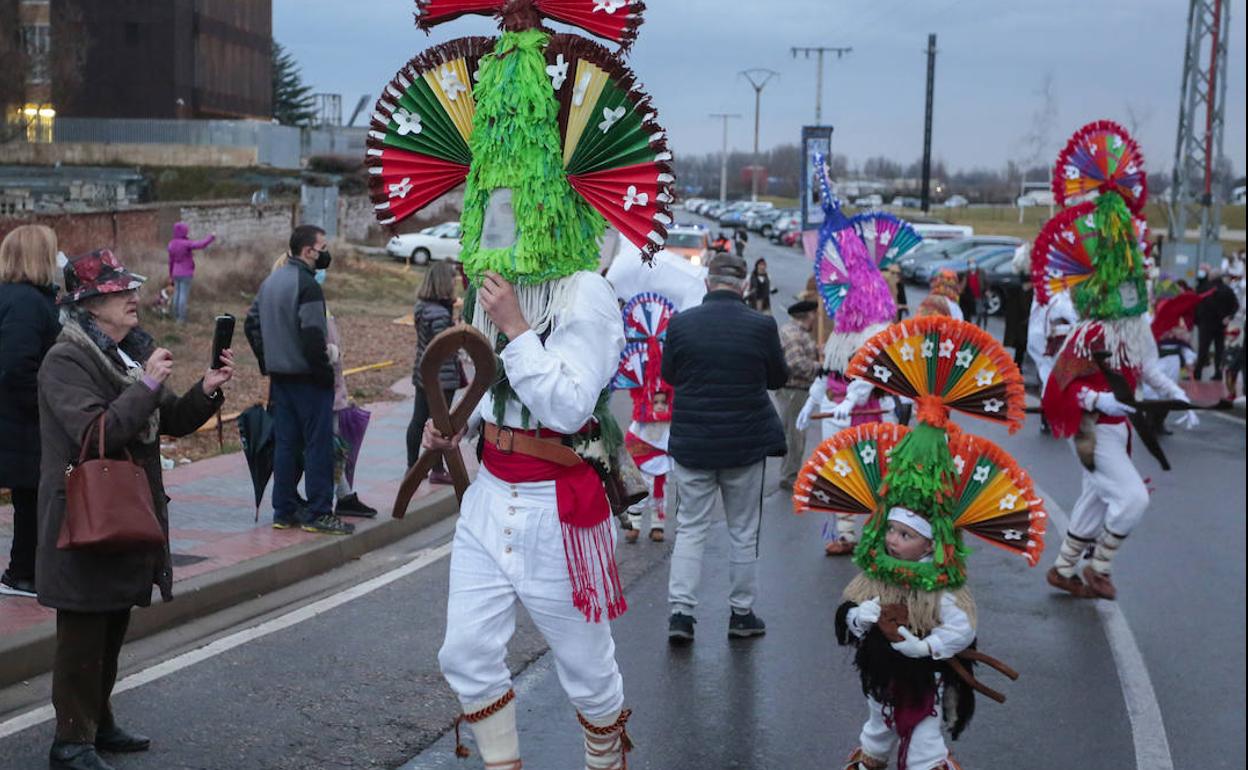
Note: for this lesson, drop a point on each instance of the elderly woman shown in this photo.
(104, 365)
(28, 327)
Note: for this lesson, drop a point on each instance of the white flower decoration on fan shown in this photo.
(981, 473)
(401, 188)
(1071, 171)
(1068, 236)
(1007, 502)
(867, 453)
(1012, 534)
(1115, 141)
(907, 352)
(610, 6)
(927, 349)
(946, 348)
(1089, 221)
(959, 463)
(993, 405)
(582, 87)
(881, 373)
(407, 122)
(609, 118)
(634, 198)
(558, 72)
(964, 358)
(451, 85)
(984, 377)
(841, 467)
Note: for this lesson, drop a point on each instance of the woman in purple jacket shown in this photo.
(182, 266)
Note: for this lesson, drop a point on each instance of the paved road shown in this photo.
(356, 684)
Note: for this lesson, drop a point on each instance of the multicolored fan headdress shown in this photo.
(646, 317)
(956, 481)
(1095, 247)
(549, 132)
(851, 256)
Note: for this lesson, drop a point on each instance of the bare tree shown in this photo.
(1137, 118)
(1037, 143)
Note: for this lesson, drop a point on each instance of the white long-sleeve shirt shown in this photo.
(954, 634)
(560, 381)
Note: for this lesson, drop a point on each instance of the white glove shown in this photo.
(842, 411)
(803, 417)
(910, 645)
(1107, 405)
(869, 613)
(333, 353)
(818, 389)
(1188, 420)
(858, 391)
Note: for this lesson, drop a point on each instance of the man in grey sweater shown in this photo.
(287, 329)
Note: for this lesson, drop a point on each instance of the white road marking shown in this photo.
(1148, 730)
(421, 560)
(1228, 417)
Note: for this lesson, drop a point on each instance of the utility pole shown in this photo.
(820, 50)
(927, 125)
(723, 156)
(1193, 194)
(758, 78)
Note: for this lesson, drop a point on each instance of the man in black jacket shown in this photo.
(721, 358)
(1212, 315)
(287, 330)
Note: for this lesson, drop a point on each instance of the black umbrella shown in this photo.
(255, 430)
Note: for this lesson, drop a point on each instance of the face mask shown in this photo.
(1201, 274)
(322, 259)
(320, 276)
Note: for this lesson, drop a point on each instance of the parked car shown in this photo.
(906, 202)
(764, 222)
(1002, 279)
(438, 242)
(692, 243)
(868, 201)
(983, 256)
(782, 225)
(955, 202)
(691, 204)
(1035, 198)
(936, 250)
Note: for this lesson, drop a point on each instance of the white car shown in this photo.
(439, 242)
(955, 202)
(869, 200)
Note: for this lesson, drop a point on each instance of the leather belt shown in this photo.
(508, 440)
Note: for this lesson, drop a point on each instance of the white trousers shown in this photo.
(654, 506)
(1114, 496)
(742, 491)
(927, 743)
(508, 545)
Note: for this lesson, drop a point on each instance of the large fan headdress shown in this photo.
(1094, 246)
(957, 481)
(851, 254)
(555, 120)
(646, 318)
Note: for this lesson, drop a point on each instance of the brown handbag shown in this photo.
(108, 503)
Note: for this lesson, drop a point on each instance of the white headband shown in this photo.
(912, 520)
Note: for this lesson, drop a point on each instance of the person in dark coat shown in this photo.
(1212, 315)
(758, 293)
(1016, 307)
(433, 315)
(721, 358)
(28, 328)
(104, 366)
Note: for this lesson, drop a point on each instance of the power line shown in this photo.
(820, 51)
(758, 77)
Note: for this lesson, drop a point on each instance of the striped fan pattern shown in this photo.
(886, 237)
(844, 473)
(615, 20)
(995, 499)
(614, 152)
(647, 315)
(831, 274)
(418, 143)
(1062, 255)
(632, 370)
(945, 362)
(1101, 157)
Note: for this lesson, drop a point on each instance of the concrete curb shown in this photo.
(29, 653)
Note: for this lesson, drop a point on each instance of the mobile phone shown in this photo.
(222, 336)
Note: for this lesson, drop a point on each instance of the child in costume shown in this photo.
(943, 297)
(848, 264)
(909, 613)
(1091, 249)
(549, 136)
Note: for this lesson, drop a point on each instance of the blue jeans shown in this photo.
(181, 296)
(303, 417)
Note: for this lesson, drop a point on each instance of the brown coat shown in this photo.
(74, 389)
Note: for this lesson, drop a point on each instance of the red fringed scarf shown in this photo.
(585, 518)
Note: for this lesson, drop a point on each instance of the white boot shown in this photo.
(606, 741)
(494, 728)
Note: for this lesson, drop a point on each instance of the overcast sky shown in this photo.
(1107, 59)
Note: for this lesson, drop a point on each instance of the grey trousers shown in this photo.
(742, 491)
(789, 402)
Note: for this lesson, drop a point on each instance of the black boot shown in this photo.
(75, 756)
(118, 741)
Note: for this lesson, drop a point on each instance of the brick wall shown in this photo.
(79, 233)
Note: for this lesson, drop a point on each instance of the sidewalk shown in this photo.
(221, 555)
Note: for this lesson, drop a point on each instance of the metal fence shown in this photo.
(277, 146)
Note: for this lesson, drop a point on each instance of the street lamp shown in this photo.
(758, 78)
